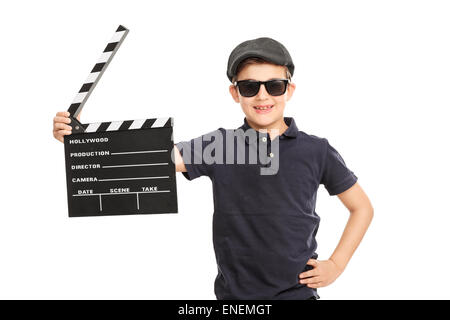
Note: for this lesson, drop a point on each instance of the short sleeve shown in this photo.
(194, 159)
(336, 177)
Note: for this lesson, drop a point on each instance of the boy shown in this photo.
(264, 222)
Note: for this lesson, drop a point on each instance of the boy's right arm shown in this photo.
(61, 128)
(179, 163)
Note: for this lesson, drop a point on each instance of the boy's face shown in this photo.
(269, 118)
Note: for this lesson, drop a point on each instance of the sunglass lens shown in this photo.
(276, 87)
(248, 88)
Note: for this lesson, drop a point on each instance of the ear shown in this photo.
(234, 93)
(290, 91)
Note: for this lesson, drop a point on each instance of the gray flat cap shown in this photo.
(265, 48)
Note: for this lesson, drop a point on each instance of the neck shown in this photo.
(274, 129)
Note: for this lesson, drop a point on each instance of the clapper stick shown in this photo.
(93, 78)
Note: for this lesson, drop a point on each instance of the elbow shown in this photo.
(366, 211)
(369, 211)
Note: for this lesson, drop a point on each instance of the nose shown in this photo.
(262, 93)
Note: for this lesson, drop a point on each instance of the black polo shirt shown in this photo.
(264, 226)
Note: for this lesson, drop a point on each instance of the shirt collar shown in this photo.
(290, 132)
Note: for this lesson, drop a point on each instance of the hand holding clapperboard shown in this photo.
(119, 167)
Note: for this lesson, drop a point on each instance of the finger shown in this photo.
(310, 280)
(61, 119)
(63, 114)
(62, 126)
(313, 262)
(309, 273)
(60, 133)
(316, 285)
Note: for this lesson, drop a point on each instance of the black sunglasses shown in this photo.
(249, 88)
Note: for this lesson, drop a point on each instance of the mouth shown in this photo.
(263, 108)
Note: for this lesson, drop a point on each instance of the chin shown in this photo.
(261, 121)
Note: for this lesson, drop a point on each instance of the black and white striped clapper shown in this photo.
(118, 167)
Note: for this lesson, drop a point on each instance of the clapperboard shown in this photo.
(118, 167)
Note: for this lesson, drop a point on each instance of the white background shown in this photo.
(372, 77)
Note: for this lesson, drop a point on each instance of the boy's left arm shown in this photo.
(324, 272)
